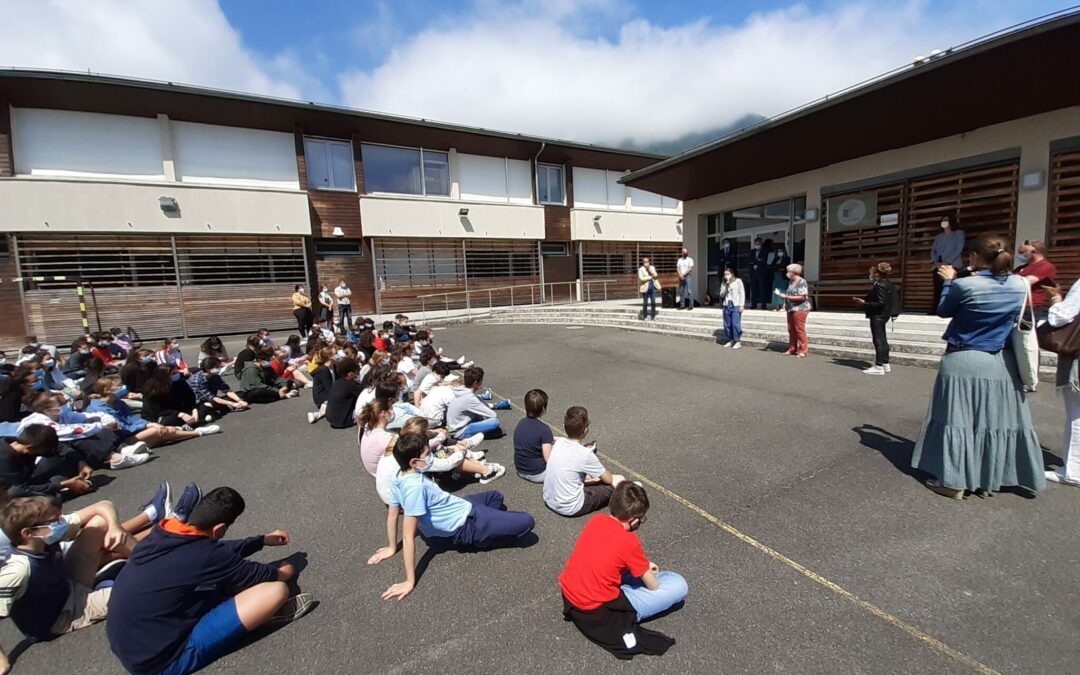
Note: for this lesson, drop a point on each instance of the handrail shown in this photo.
(540, 293)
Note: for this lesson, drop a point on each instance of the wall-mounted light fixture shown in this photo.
(597, 217)
(810, 215)
(679, 221)
(168, 205)
(463, 212)
(1032, 180)
(338, 232)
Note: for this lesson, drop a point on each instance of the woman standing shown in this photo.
(797, 301)
(778, 262)
(326, 306)
(302, 310)
(649, 286)
(1062, 313)
(881, 304)
(978, 434)
(733, 299)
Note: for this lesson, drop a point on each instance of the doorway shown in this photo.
(772, 223)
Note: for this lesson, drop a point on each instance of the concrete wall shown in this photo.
(71, 205)
(624, 226)
(426, 217)
(1031, 135)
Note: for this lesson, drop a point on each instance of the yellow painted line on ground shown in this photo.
(921, 636)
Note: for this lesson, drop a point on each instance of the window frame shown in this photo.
(562, 173)
(548, 250)
(328, 143)
(423, 174)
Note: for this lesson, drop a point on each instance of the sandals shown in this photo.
(934, 485)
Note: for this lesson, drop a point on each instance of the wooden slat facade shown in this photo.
(160, 285)
(979, 200)
(355, 270)
(617, 262)
(12, 328)
(1063, 233)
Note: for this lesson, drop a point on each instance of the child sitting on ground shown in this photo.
(259, 384)
(533, 439)
(108, 399)
(32, 465)
(449, 457)
(173, 608)
(342, 399)
(608, 585)
(210, 389)
(467, 414)
(477, 521)
(575, 482)
(93, 436)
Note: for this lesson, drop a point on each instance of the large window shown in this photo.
(406, 171)
(329, 164)
(550, 184)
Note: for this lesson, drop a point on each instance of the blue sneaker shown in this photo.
(486, 395)
(502, 405)
(161, 503)
(188, 499)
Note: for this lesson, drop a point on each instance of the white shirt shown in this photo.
(1065, 311)
(434, 405)
(685, 265)
(735, 294)
(564, 481)
(343, 293)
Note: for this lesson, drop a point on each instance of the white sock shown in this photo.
(151, 512)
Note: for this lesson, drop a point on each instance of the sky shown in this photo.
(599, 71)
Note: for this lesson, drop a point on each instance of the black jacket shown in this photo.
(883, 300)
(607, 624)
(323, 378)
(340, 404)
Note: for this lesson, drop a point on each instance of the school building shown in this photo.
(987, 133)
(193, 211)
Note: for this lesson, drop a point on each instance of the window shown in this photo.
(406, 171)
(550, 188)
(337, 247)
(554, 248)
(329, 164)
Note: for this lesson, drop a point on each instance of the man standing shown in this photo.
(1039, 272)
(760, 276)
(948, 249)
(343, 293)
(685, 265)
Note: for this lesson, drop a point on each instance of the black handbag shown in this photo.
(1063, 341)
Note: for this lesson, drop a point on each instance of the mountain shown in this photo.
(693, 139)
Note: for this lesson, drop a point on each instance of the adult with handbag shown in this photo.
(1062, 316)
(649, 286)
(978, 435)
(881, 304)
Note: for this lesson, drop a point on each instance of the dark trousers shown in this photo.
(596, 498)
(881, 340)
(261, 395)
(760, 287)
(95, 450)
(303, 320)
(939, 285)
(345, 316)
(647, 297)
(489, 521)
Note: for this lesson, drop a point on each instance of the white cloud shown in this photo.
(188, 41)
(529, 68)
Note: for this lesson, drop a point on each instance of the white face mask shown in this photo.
(872, 278)
(728, 277)
(944, 224)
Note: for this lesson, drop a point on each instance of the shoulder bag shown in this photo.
(1063, 340)
(1025, 344)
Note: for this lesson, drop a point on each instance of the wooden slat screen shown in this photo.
(848, 254)
(618, 261)
(1063, 238)
(981, 200)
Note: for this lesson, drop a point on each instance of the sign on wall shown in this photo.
(853, 211)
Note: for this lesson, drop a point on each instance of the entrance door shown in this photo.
(742, 242)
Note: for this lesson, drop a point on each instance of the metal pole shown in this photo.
(511, 296)
(489, 300)
(22, 290)
(465, 267)
(446, 297)
(375, 280)
(93, 298)
(540, 260)
(82, 308)
(180, 289)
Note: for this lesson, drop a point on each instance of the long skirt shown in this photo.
(978, 431)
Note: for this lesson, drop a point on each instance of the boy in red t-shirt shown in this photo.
(609, 584)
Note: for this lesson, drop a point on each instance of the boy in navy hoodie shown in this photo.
(174, 608)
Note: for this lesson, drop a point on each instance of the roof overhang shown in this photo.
(1019, 74)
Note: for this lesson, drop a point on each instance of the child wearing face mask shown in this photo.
(478, 521)
(109, 395)
(94, 436)
(170, 355)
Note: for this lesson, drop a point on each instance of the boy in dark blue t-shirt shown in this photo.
(533, 439)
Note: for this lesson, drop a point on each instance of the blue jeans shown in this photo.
(484, 426)
(732, 323)
(648, 603)
(647, 297)
(216, 634)
(686, 292)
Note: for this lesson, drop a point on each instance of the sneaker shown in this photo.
(186, 504)
(311, 419)
(137, 448)
(495, 471)
(292, 394)
(128, 461)
(109, 572)
(485, 395)
(186, 427)
(208, 429)
(467, 364)
(728, 344)
(502, 405)
(160, 502)
(887, 367)
(874, 370)
(461, 360)
(475, 455)
(473, 441)
(294, 608)
(736, 345)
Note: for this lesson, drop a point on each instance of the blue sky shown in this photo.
(602, 71)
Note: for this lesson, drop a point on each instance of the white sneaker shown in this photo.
(495, 471)
(137, 448)
(475, 455)
(208, 429)
(467, 364)
(311, 419)
(128, 461)
(874, 370)
(736, 345)
(473, 441)
(292, 394)
(728, 344)
(461, 360)
(309, 385)
(887, 367)
(1056, 477)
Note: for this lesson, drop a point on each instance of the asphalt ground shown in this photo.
(779, 489)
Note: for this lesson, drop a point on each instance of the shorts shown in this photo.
(216, 634)
(84, 607)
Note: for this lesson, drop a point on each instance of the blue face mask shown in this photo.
(430, 462)
(175, 377)
(215, 371)
(148, 360)
(339, 356)
(57, 531)
(122, 391)
(40, 384)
